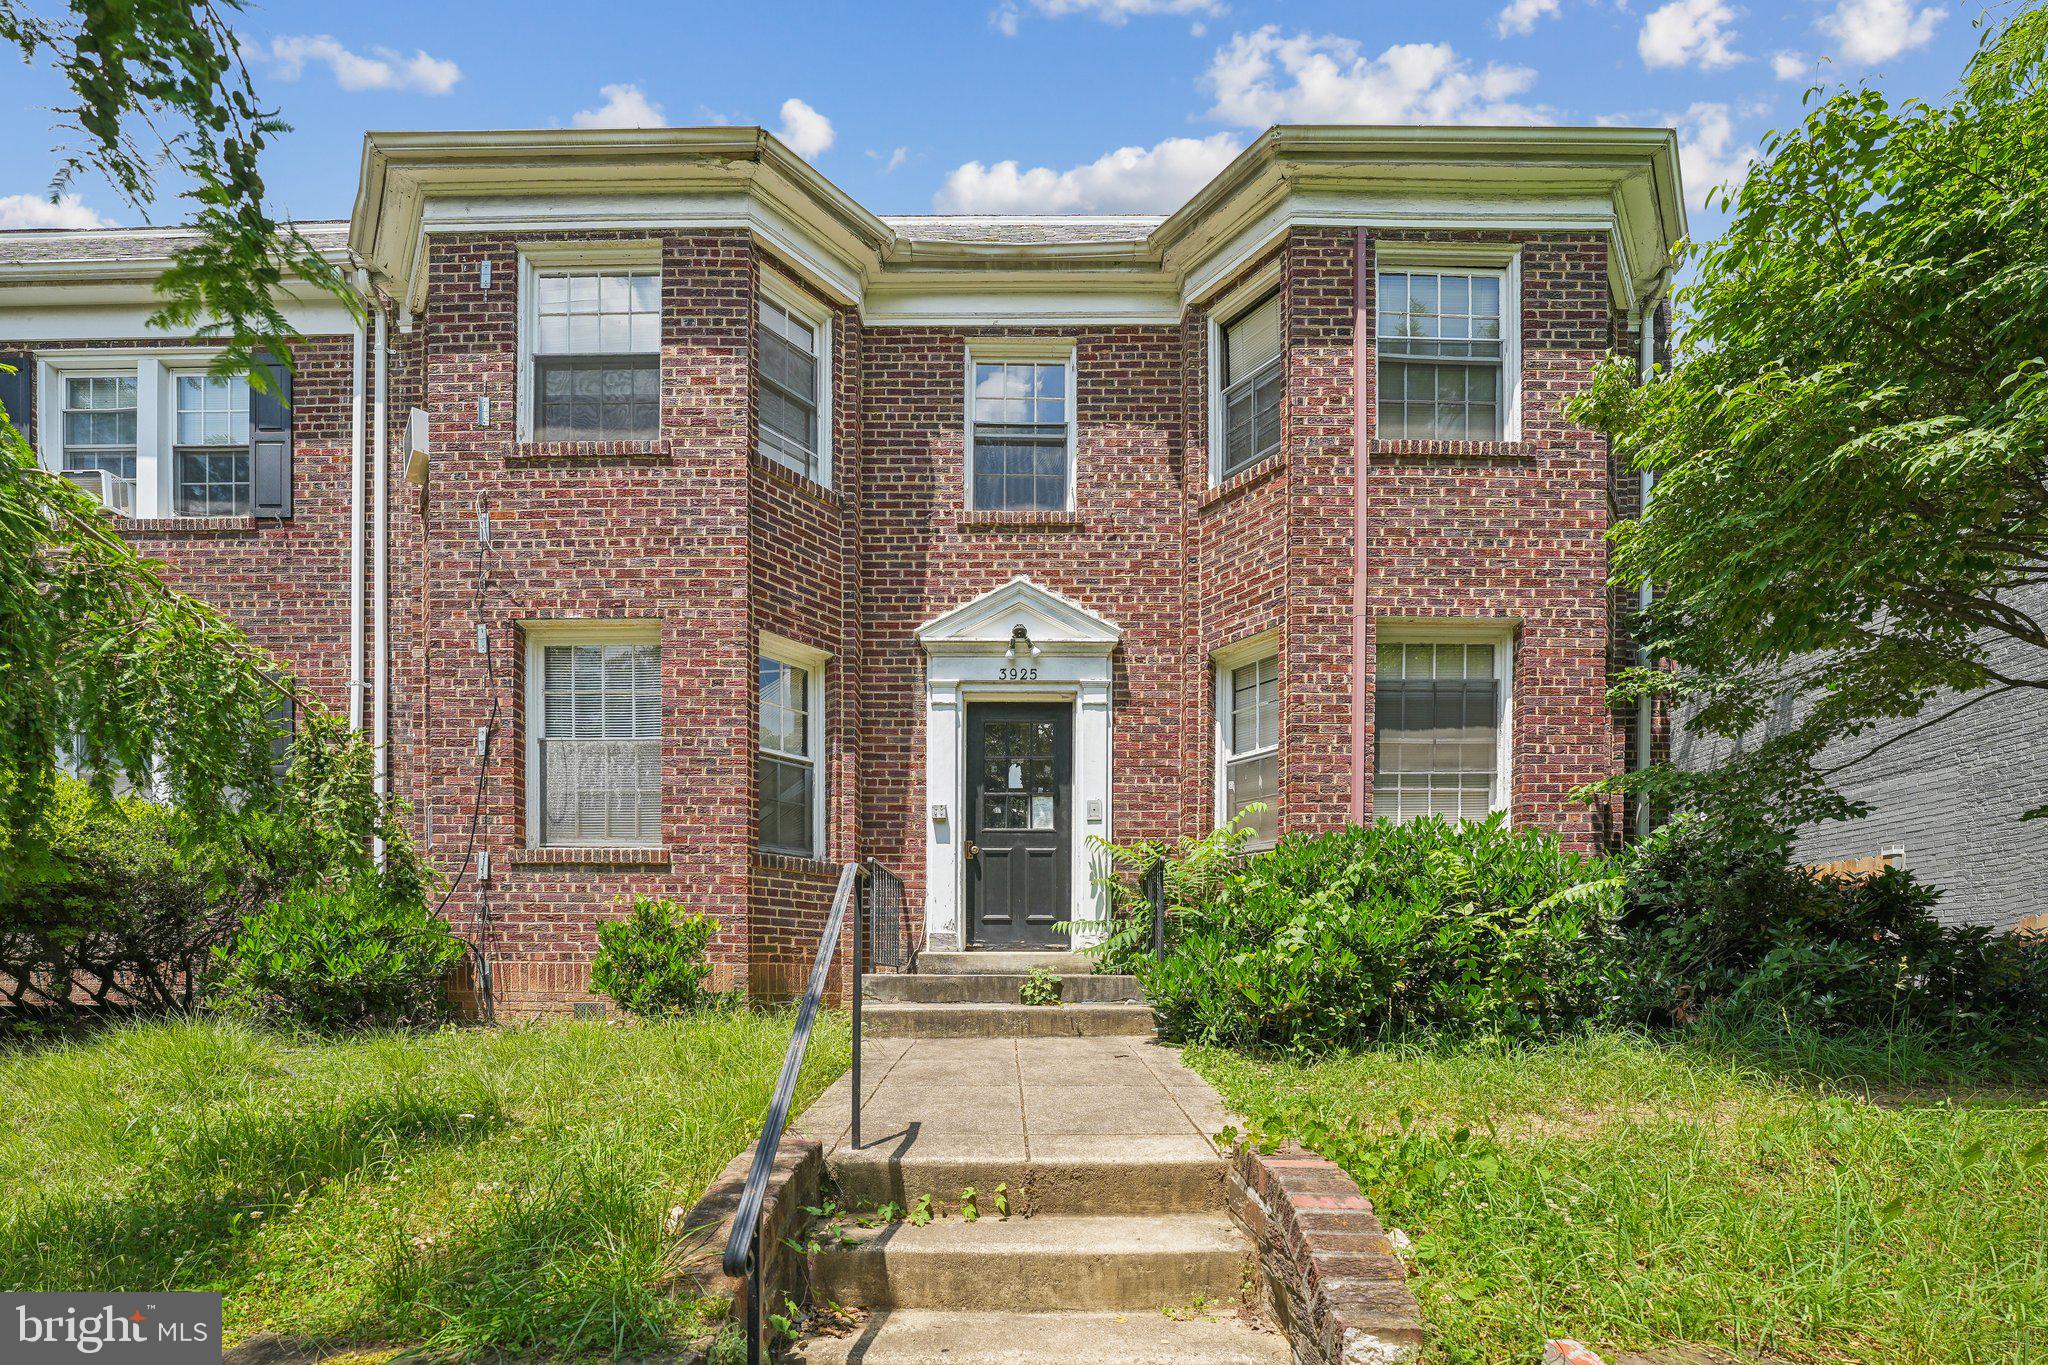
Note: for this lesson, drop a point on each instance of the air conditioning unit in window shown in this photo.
(115, 493)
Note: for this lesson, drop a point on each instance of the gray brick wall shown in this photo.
(1950, 796)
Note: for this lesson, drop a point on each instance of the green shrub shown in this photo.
(1723, 924)
(99, 902)
(350, 955)
(653, 962)
(1331, 940)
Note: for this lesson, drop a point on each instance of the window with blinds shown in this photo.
(1437, 723)
(789, 395)
(787, 787)
(1442, 355)
(597, 355)
(1251, 770)
(1252, 379)
(600, 744)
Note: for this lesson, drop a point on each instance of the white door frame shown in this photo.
(973, 653)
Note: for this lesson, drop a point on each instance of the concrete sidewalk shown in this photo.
(1020, 1099)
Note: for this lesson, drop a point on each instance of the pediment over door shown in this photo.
(990, 621)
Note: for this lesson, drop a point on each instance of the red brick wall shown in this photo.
(697, 533)
(1516, 531)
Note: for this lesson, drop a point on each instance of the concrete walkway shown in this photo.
(1117, 1245)
(1020, 1098)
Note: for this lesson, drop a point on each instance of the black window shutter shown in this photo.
(270, 443)
(15, 390)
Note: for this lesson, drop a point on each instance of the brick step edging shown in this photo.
(1331, 1277)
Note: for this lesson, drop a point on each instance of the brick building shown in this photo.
(947, 542)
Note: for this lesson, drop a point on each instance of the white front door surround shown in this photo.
(974, 653)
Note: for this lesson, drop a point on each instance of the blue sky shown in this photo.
(1030, 105)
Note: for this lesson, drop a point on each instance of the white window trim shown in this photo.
(1499, 634)
(794, 300)
(154, 369)
(570, 631)
(1264, 645)
(1021, 350)
(540, 258)
(815, 662)
(1503, 261)
(1225, 310)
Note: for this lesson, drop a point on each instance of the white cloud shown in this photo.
(1878, 30)
(1128, 180)
(624, 107)
(36, 211)
(1709, 155)
(1262, 78)
(1521, 16)
(892, 162)
(808, 132)
(1697, 33)
(1007, 16)
(1789, 66)
(384, 70)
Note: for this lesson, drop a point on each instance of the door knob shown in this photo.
(970, 850)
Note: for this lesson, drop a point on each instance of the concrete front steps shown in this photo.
(1117, 1247)
(920, 1337)
(977, 995)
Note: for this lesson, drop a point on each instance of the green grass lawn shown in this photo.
(1835, 1205)
(469, 1190)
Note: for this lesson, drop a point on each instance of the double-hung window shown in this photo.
(792, 397)
(1248, 716)
(1020, 434)
(596, 344)
(1251, 377)
(788, 778)
(1445, 347)
(210, 463)
(99, 423)
(595, 711)
(1440, 724)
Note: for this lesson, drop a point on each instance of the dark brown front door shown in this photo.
(1020, 779)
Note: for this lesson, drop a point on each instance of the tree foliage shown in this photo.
(97, 654)
(1851, 451)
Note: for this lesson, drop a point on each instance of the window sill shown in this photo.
(641, 856)
(184, 526)
(789, 478)
(1248, 477)
(1450, 450)
(1020, 521)
(791, 862)
(587, 452)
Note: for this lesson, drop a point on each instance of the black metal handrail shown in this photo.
(1154, 891)
(743, 1248)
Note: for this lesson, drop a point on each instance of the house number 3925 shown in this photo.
(1017, 674)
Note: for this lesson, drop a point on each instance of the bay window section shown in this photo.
(596, 716)
(1248, 707)
(791, 397)
(596, 341)
(789, 786)
(1443, 346)
(1251, 377)
(1440, 722)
